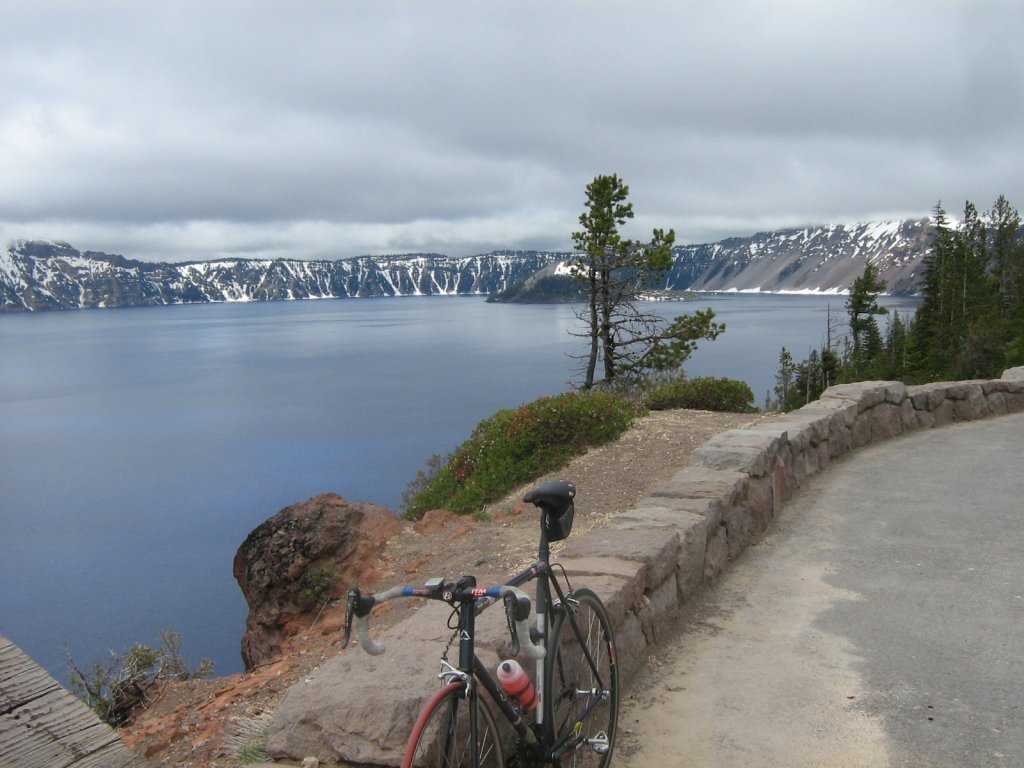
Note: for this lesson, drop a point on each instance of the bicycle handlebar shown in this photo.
(359, 606)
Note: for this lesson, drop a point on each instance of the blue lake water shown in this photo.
(139, 447)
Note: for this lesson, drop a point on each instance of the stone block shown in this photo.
(765, 437)
(751, 461)
(1014, 402)
(656, 548)
(693, 532)
(996, 403)
(659, 611)
(955, 390)
(696, 482)
(860, 434)
(943, 414)
(806, 419)
(867, 394)
(921, 396)
(709, 509)
(839, 410)
(886, 422)
(757, 447)
(631, 648)
(806, 426)
(748, 519)
(784, 477)
(895, 392)
(1014, 373)
(908, 416)
(585, 571)
(840, 441)
(716, 554)
(824, 450)
(925, 419)
(620, 596)
(976, 401)
(809, 457)
(357, 707)
(740, 527)
(760, 502)
(692, 550)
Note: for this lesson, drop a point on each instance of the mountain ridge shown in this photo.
(42, 275)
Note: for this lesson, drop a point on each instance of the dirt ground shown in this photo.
(203, 724)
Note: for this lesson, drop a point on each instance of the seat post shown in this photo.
(544, 549)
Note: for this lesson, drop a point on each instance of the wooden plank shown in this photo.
(44, 726)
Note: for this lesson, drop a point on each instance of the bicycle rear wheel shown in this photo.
(582, 679)
(441, 737)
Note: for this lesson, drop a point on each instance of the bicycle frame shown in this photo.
(471, 666)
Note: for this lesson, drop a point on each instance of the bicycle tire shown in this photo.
(569, 679)
(441, 739)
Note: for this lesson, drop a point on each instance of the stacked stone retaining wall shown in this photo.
(645, 564)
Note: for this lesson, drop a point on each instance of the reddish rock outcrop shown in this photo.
(288, 566)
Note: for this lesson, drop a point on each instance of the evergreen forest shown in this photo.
(969, 325)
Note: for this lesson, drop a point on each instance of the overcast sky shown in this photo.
(200, 129)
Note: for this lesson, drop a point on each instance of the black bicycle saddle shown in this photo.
(556, 495)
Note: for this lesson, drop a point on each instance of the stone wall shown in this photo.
(645, 564)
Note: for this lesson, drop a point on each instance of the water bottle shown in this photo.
(516, 683)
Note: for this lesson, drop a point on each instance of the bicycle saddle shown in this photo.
(555, 500)
(556, 496)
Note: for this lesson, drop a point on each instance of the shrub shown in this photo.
(317, 583)
(119, 688)
(515, 446)
(706, 394)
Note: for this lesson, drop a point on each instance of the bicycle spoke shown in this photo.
(442, 739)
(583, 707)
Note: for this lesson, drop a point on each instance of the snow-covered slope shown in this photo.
(36, 275)
(44, 275)
(809, 260)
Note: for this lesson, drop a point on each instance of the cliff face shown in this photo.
(38, 275)
(42, 275)
(813, 259)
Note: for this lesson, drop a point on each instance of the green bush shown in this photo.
(516, 446)
(705, 394)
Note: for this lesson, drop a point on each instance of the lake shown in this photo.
(140, 446)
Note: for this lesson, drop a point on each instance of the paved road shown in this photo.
(880, 622)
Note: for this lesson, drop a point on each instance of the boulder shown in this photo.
(306, 553)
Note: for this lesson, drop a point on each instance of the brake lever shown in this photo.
(352, 598)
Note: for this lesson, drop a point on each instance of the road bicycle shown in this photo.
(575, 680)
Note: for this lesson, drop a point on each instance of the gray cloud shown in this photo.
(322, 129)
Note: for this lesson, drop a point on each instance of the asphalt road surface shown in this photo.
(879, 623)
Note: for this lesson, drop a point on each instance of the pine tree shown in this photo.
(862, 306)
(896, 349)
(967, 326)
(928, 340)
(785, 379)
(613, 272)
(1006, 262)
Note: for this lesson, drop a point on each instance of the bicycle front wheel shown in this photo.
(581, 674)
(441, 737)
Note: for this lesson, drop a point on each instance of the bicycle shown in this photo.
(576, 677)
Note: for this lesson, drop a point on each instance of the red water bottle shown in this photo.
(515, 682)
